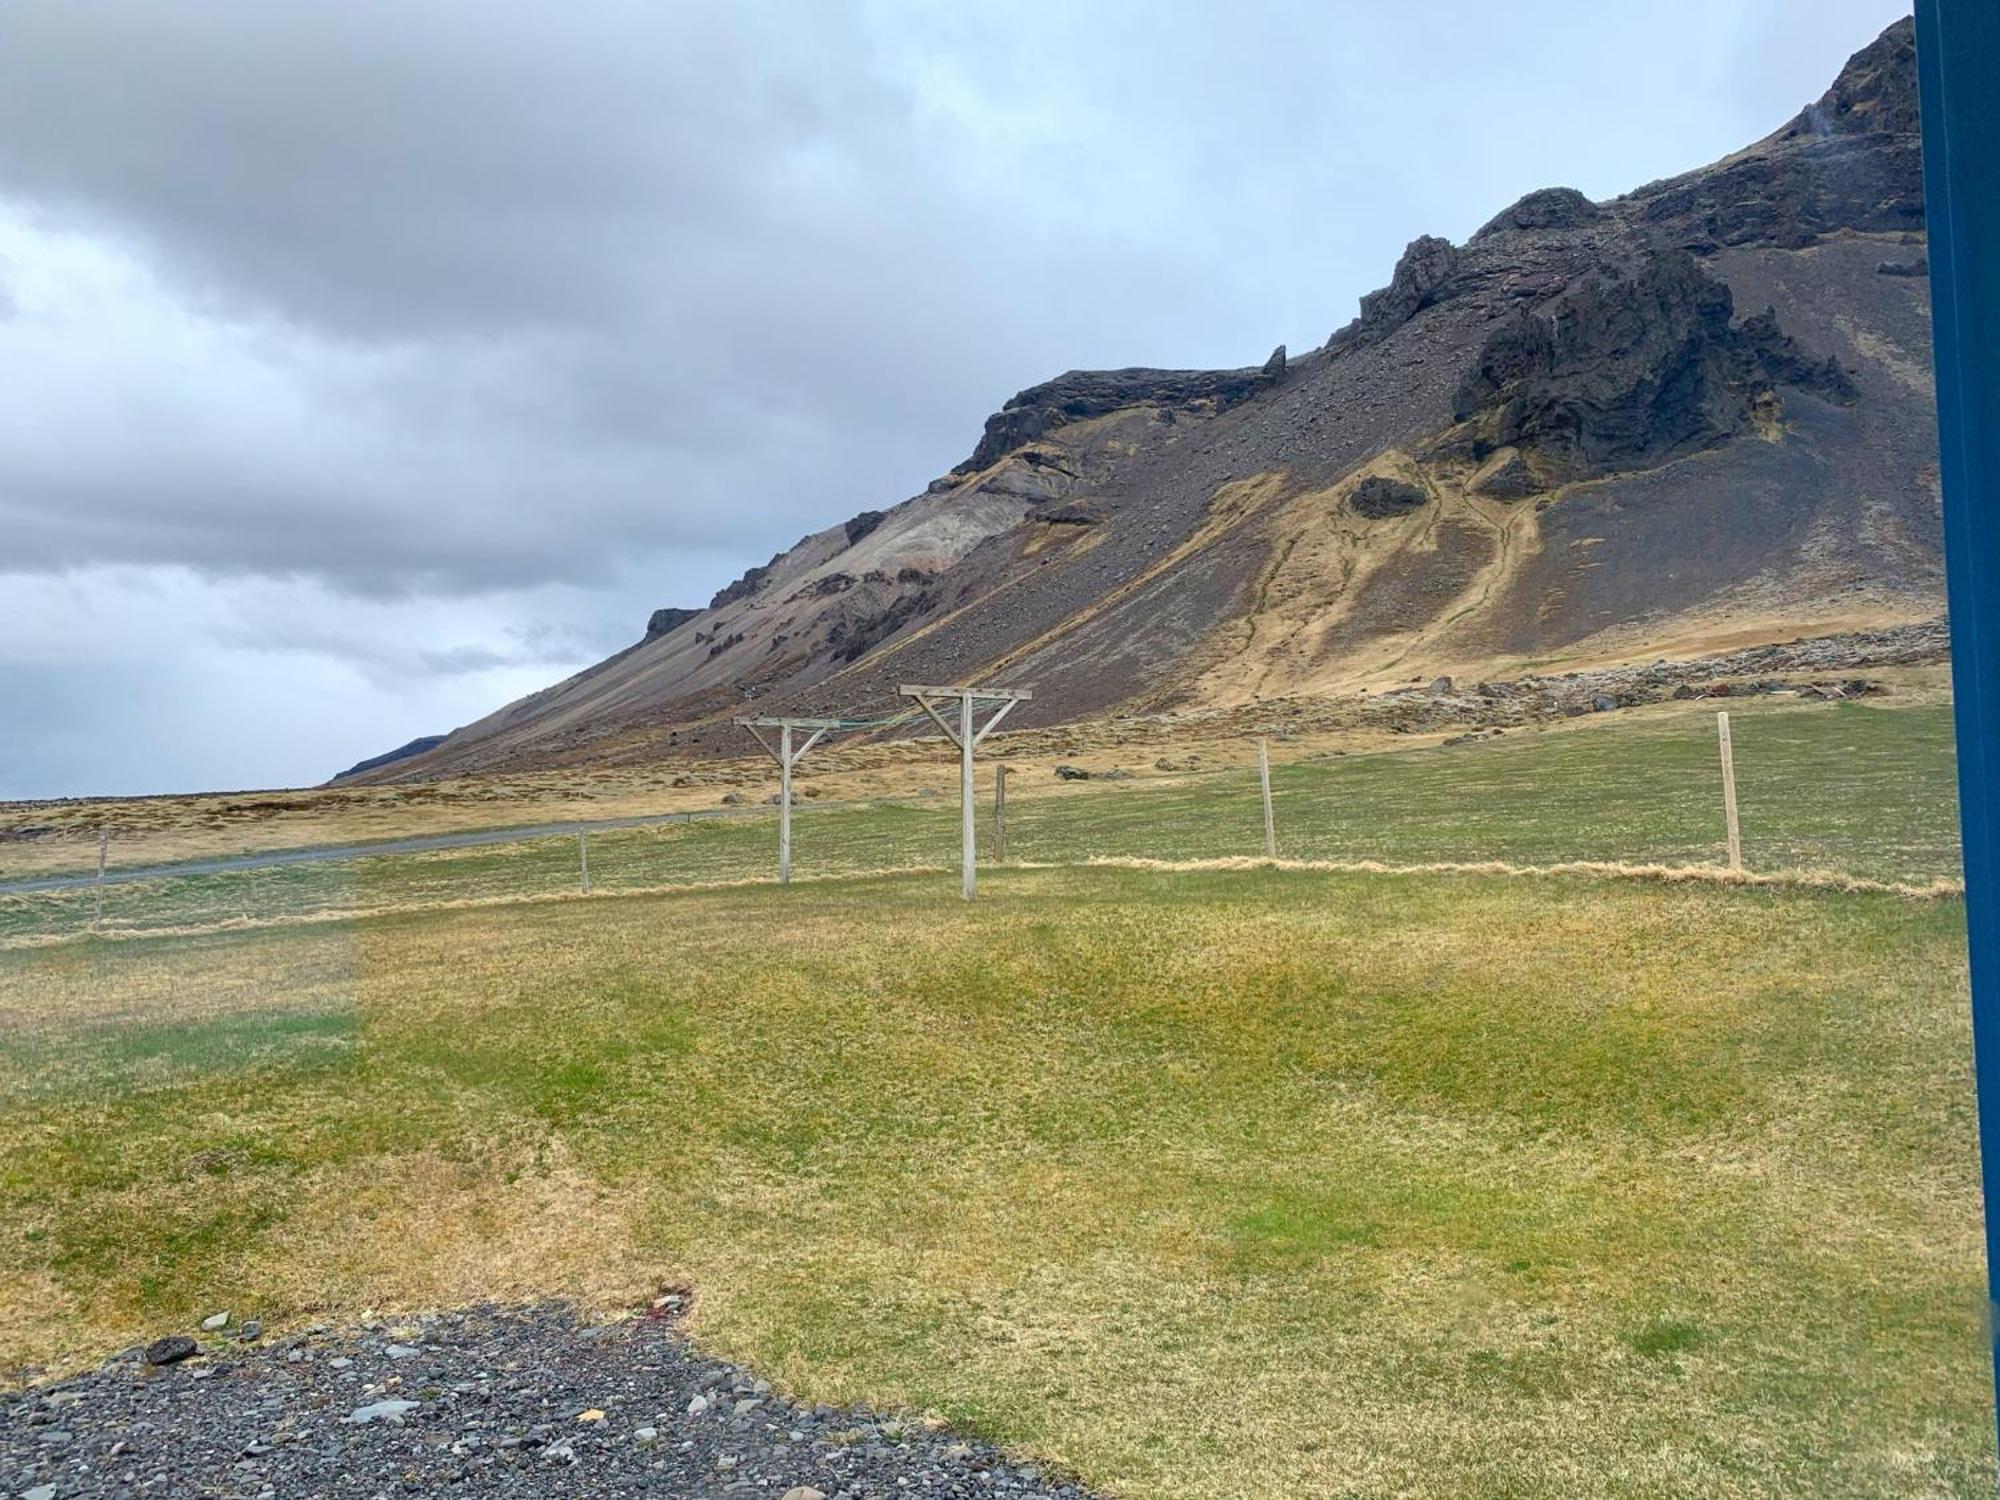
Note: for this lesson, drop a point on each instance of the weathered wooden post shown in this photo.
(785, 805)
(1729, 792)
(1270, 821)
(583, 859)
(1000, 815)
(961, 734)
(97, 891)
(965, 810)
(787, 757)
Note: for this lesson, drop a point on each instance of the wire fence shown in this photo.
(1854, 788)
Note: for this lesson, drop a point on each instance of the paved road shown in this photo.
(325, 853)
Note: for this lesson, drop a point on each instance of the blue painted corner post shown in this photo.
(1958, 79)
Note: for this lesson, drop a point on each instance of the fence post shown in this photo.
(1264, 776)
(583, 858)
(1000, 815)
(97, 891)
(1729, 792)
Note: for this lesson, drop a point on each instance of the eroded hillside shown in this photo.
(1696, 415)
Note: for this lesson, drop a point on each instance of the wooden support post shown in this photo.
(1735, 833)
(1264, 776)
(962, 734)
(1000, 815)
(785, 805)
(968, 830)
(97, 892)
(583, 859)
(788, 755)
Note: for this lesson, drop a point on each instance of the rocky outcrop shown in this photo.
(1378, 497)
(852, 639)
(1546, 208)
(664, 620)
(1067, 513)
(1629, 371)
(863, 525)
(1852, 160)
(826, 586)
(1766, 352)
(1876, 92)
(752, 580)
(1506, 476)
(1082, 394)
(1422, 277)
(1274, 367)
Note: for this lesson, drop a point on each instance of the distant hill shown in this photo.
(1700, 413)
(416, 746)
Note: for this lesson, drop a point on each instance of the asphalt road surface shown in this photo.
(325, 853)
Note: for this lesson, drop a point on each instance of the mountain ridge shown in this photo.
(1591, 429)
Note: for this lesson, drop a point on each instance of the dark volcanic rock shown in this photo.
(1921, 266)
(1546, 208)
(1082, 394)
(850, 639)
(1852, 160)
(1421, 277)
(1067, 513)
(1765, 350)
(522, 1402)
(664, 620)
(1876, 92)
(170, 1350)
(1629, 371)
(752, 580)
(827, 585)
(862, 524)
(1274, 367)
(1378, 497)
(1506, 476)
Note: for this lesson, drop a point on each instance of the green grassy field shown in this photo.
(1863, 788)
(1221, 1183)
(1229, 1184)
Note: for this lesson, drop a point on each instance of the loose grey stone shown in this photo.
(494, 1408)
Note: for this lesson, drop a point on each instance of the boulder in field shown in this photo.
(170, 1350)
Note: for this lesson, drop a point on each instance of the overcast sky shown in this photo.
(371, 362)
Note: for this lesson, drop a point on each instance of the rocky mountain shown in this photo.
(1698, 414)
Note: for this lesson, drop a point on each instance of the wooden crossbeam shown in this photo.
(982, 695)
(787, 756)
(967, 738)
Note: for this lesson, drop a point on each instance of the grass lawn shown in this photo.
(1864, 788)
(1229, 1184)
